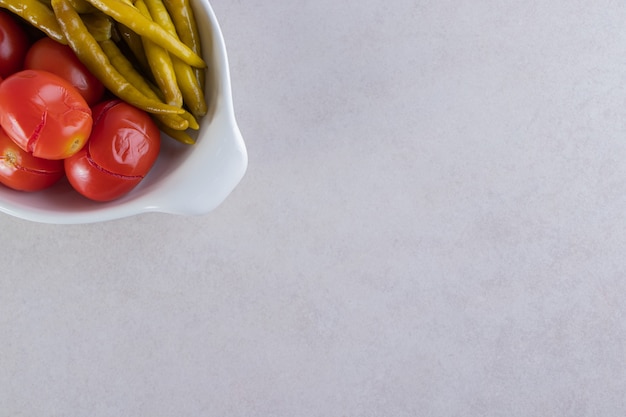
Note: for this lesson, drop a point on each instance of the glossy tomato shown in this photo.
(44, 114)
(14, 44)
(49, 55)
(123, 146)
(22, 171)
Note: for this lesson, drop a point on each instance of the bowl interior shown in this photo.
(184, 180)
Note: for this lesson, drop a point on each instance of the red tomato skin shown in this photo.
(49, 55)
(14, 44)
(123, 147)
(21, 171)
(93, 182)
(124, 139)
(44, 114)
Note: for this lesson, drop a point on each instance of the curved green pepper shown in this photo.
(128, 15)
(91, 54)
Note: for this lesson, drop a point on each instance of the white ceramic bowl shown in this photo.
(185, 180)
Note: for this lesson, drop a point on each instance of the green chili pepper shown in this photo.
(190, 86)
(179, 135)
(91, 54)
(98, 24)
(191, 90)
(124, 66)
(134, 44)
(37, 14)
(185, 23)
(82, 6)
(128, 15)
(161, 64)
(193, 123)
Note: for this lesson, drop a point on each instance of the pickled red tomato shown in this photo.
(123, 147)
(44, 114)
